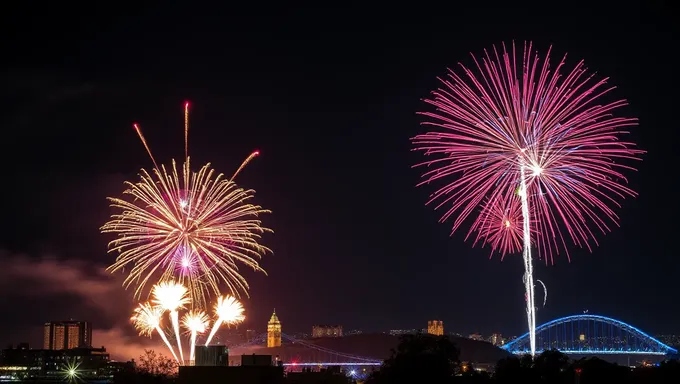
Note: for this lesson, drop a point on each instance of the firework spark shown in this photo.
(228, 311)
(194, 227)
(196, 323)
(146, 319)
(516, 125)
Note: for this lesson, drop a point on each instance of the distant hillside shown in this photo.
(377, 346)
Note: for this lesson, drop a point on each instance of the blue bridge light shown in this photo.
(590, 334)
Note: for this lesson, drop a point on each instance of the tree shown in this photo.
(512, 369)
(549, 367)
(154, 364)
(419, 359)
(553, 366)
(594, 370)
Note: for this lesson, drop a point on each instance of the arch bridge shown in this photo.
(590, 334)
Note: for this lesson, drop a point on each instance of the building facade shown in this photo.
(58, 335)
(274, 331)
(327, 331)
(435, 327)
(211, 356)
(44, 365)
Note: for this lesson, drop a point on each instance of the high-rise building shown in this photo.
(327, 331)
(435, 327)
(58, 335)
(274, 331)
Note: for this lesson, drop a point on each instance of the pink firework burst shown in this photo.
(513, 117)
(500, 225)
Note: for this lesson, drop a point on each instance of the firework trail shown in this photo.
(515, 124)
(545, 292)
(229, 311)
(196, 323)
(146, 319)
(194, 227)
(245, 162)
(171, 297)
(186, 130)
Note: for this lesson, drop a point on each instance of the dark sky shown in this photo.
(329, 95)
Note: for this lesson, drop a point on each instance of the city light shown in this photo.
(70, 371)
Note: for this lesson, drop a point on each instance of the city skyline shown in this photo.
(353, 243)
(68, 334)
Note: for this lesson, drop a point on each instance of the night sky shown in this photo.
(329, 96)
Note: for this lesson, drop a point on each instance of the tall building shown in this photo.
(435, 327)
(58, 335)
(327, 331)
(274, 331)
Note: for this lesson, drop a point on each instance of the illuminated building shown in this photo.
(274, 331)
(327, 331)
(435, 327)
(43, 366)
(496, 339)
(58, 335)
(476, 336)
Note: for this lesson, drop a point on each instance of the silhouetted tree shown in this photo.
(155, 364)
(549, 367)
(594, 371)
(152, 368)
(419, 359)
(553, 367)
(511, 370)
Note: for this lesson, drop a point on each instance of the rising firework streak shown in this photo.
(515, 128)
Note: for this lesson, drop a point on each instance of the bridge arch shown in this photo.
(590, 334)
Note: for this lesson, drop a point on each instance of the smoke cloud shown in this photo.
(37, 290)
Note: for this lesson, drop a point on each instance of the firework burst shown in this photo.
(192, 227)
(516, 126)
(172, 297)
(147, 319)
(228, 311)
(195, 323)
(501, 227)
